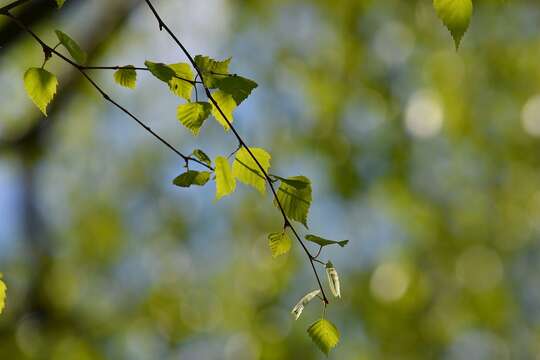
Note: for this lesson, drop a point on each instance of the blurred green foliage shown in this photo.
(424, 157)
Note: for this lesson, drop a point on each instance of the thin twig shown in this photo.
(287, 223)
(81, 69)
(192, 82)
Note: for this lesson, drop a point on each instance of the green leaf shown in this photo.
(126, 76)
(201, 156)
(179, 84)
(295, 199)
(212, 70)
(324, 242)
(298, 182)
(225, 182)
(71, 46)
(192, 177)
(193, 115)
(280, 243)
(60, 3)
(324, 334)
(227, 104)
(237, 86)
(246, 170)
(3, 290)
(160, 71)
(456, 16)
(40, 85)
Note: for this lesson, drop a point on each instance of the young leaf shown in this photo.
(237, 86)
(246, 170)
(126, 77)
(280, 243)
(180, 84)
(212, 70)
(456, 16)
(201, 156)
(60, 3)
(295, 199)
(324, 334)
(225, 182)
(160, 71)
(299, 307)
(298, 182)
(227, 104)
(193, 115)
(192, 177)
(324, 242)
(71, 46)
(2, 294)
(40, 85)
(333, 279)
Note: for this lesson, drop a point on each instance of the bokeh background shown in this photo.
(427, 159)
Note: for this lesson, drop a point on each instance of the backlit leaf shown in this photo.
(71, 46)
(193, 115)
(126, 77)
(280, 243)
(324, 242)
(456, 16)
(40, 85)
(60, 3)
(225, 182)
(178, 83)
(201, 156)
(192, 177)
(227, 104)
(324, 334)
(246, 170)
(295, 199)
(212, 70)
(3, 290)
(160, 71)
(237, 86)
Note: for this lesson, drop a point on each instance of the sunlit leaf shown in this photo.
(295, 199)
(71, 46)
(201, 156)
(299, 307)
(456, 16)
(324, 334)
(227, 104)
(180, 83)
(237, 86)
(298, 182)
(160, 71)
(280, 243)
(225, 182)
(40, 85)
(60, 3)
(192, 177)
(246, 170)
(324, 242)
(126, 77)
(212, 70)
(193, 115)
(3, 290)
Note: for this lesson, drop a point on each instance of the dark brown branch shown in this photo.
(12, 6)
(81, 69)
(241, 141)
